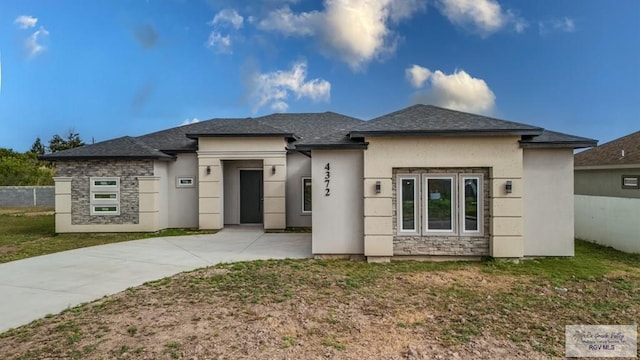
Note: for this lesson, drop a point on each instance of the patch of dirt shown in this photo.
(468, 277)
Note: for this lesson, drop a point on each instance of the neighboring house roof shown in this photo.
(123, 147)
(328, 130)
(611, 153)
(556, 139)
(433, 120)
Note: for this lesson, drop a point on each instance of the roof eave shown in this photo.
(607, 166)
(358, 146)
(104, 157)
(559, 144)
(195, 136)
(492, 132)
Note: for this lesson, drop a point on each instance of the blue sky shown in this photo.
(110, 68)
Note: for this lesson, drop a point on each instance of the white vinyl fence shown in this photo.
(610, 221)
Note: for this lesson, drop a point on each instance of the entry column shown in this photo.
(209, 199)
(275, 175)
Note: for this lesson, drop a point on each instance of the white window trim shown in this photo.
(104, 189)
(630, 181)
(94, 212)
(302, 193)
(180, 178)
(96, 186)
(94, 193)
(416, 204)
(454, 201)
(462, 204)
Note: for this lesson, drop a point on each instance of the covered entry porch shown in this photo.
(241, 181)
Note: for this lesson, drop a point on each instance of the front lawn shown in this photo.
(27, 232)
(313, 309)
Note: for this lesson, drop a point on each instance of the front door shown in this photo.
(250, 196)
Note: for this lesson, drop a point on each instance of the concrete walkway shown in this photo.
(35, 287)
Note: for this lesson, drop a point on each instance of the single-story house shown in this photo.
(607, 193)
(420, 182)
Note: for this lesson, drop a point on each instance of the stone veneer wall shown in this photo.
(438, 245)
(126, 170)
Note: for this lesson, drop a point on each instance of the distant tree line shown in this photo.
(24, 169)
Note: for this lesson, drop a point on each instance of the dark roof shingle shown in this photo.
(428, 119)
(123, 147)
(611, 152)
(313, 128)
(555, 139)
(307, 131)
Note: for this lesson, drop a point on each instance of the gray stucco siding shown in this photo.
(80, 173)
(182, 201)
(298, 167)
(604, 182)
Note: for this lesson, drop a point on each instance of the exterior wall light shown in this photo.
(508, 188)
(273, 169)
(378, 187)
(208, 170)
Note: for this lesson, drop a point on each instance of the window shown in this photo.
(306, 195)
(185, 181)
(105, 210)
(408, 195)
(104, 182)
(630, 181)
(470, 202)
(449, 204)
(440, 204)
(105, 196)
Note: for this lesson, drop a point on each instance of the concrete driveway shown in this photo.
(35, 287)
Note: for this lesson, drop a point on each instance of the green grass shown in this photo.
(456, 302)
(591, 262)
(29, 232)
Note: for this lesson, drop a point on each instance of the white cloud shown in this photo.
(228, 17)
(218, 42)
(563, 25)
(288, 23)
(458, 91)
(520, 24)
(32, 43)
(354, 31)
(273, 89)
(190, 121)
(25, 21)
(222, 44)
(482, 16)
(417, 75)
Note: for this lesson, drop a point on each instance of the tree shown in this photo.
(37, 147)
(18, 169)
(57, 143)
